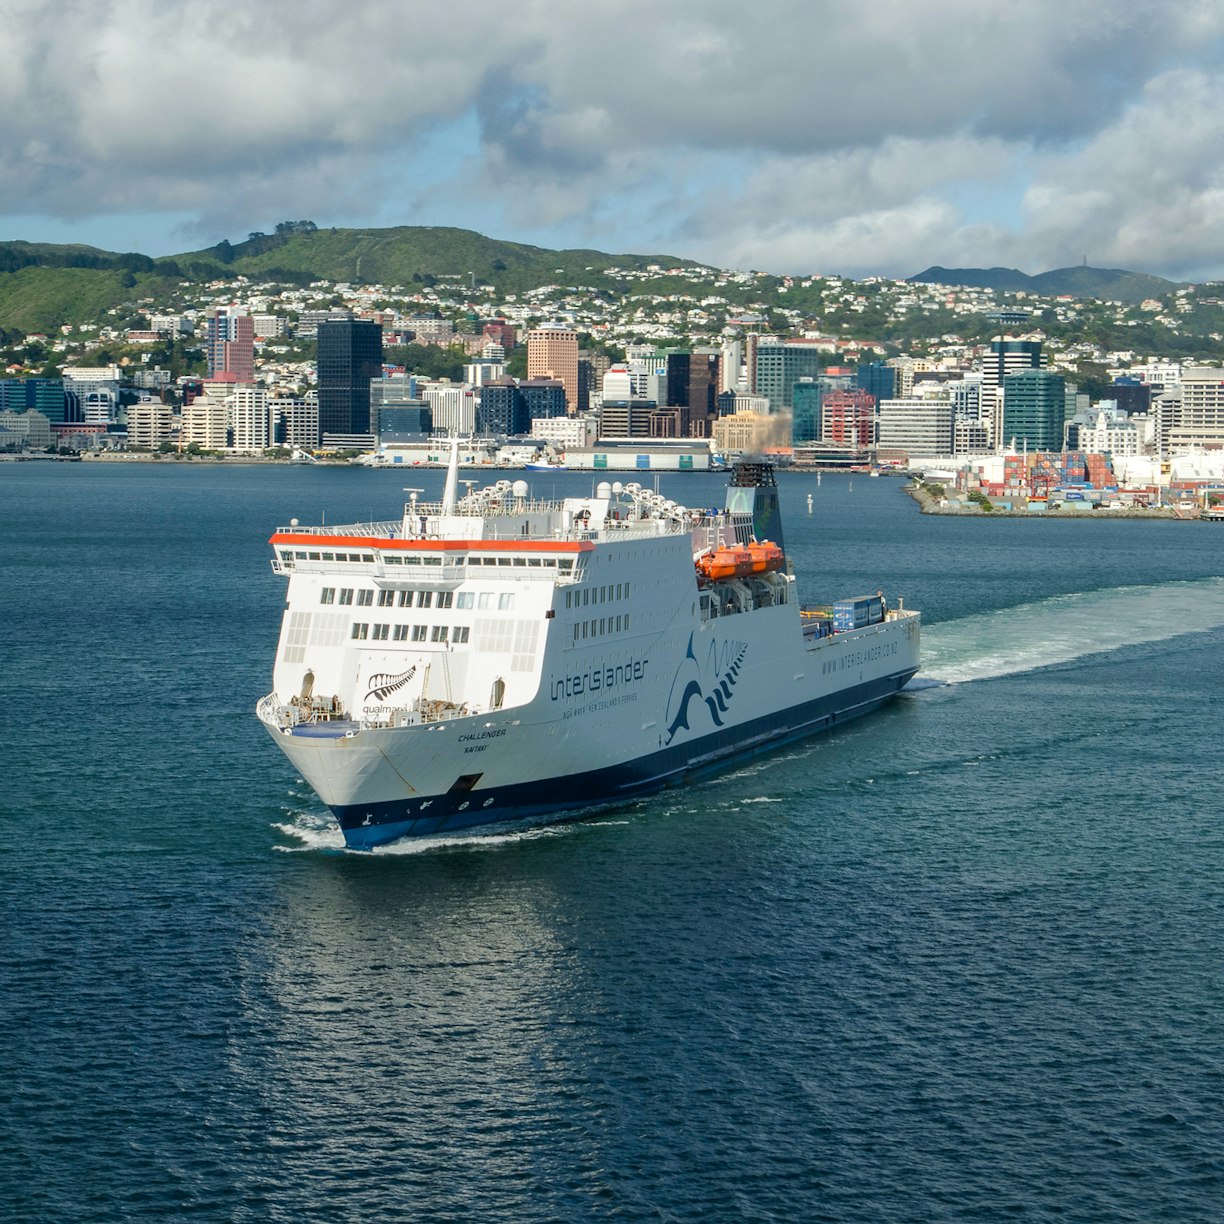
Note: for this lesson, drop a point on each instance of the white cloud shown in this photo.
(806, 131)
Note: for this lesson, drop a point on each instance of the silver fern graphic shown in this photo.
(384, 684)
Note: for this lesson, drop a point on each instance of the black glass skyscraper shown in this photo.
(350, 354)
(878, 379)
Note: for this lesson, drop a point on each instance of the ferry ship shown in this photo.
(494, 657)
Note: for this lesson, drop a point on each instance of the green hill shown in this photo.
(43, 284)
(407, 255)
(38, 299)
(1104, 284)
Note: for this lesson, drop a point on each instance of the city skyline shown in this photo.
(815, 138)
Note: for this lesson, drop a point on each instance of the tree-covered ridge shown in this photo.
(406, 255)
(613, 300)
(1105, 284)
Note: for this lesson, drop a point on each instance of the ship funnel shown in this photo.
(752, 491)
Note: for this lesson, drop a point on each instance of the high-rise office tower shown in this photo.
(1034, 410)
(848, 418)
(592, 367)
(230, 346)
(806, 397)
(1199, 421)
(350, 355)
(552, 352)
(779, 365)
(692, 383)
(502, 410)
(877, 379)
(1006, 357)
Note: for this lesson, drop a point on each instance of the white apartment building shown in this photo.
(268, 326)
(174, 324)
(453, 407)
(294, 422)
(96, 390)
(1166, 409)
(477, 373)
(1200, 423)
(428, 328)
(970, 437)
(149, 423)
(564, 432)
(731, 375)
(206, 423)
(752, 403)
(20, 430)
(920, 427)
(972, 432)
(248, 418)
(1154, 373)
(1104, 430)
(617, 385)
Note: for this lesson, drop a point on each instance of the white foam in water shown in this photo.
(469, 841)
(310, 833)
(1068, 627)
(321, 833)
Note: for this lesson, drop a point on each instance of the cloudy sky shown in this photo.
(848, 136)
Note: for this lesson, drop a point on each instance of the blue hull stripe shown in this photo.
(369, 825)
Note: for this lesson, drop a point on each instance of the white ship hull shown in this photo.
(579, 667)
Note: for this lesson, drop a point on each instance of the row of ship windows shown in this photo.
(484, 600)
(288, 557)
(597, 628)
(364, 631)
(409, 633)
(596, 595)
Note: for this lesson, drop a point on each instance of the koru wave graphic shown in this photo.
(690, 684)
(384, 684)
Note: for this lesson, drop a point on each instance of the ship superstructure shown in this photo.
(494, 656)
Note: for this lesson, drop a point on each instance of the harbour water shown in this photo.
(960, 960)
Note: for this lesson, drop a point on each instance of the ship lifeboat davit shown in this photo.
(742, 562)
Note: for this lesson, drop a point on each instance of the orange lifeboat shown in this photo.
(725, 563)
(766, 556)
(741, 562)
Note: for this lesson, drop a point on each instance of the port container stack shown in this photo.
(856, 613)
(1100, 473)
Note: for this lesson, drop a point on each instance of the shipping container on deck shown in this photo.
(855, 613)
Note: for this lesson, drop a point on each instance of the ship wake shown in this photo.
(318, 832)
(1066, 627)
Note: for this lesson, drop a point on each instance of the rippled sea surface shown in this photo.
(962, 960)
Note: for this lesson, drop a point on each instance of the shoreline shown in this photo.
(928, 505)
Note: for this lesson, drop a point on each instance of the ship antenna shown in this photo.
(452, 478)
